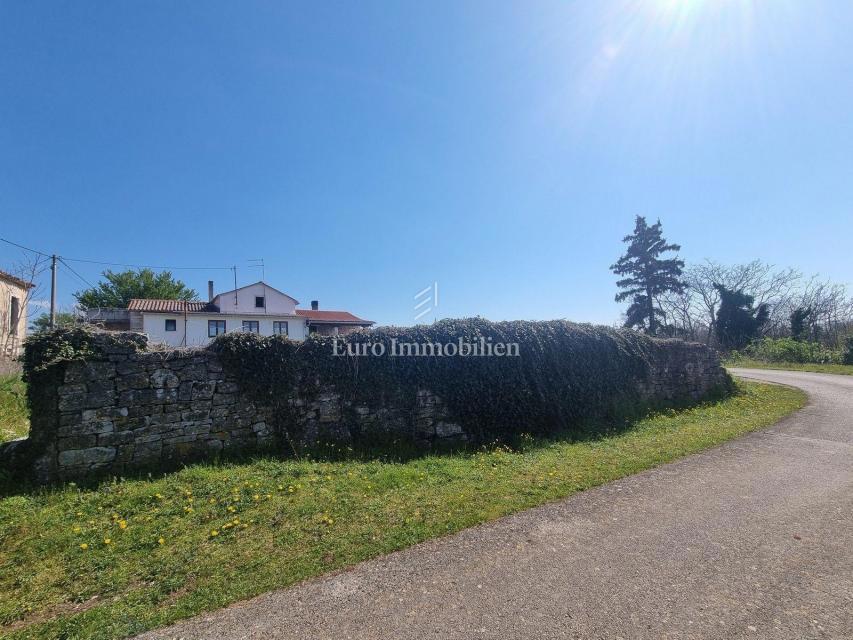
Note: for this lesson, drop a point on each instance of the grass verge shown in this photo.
(14, 417)
(843, 369)
(131, 555)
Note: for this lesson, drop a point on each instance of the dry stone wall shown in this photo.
(127, 408)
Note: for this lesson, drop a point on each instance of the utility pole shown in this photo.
(52, 291)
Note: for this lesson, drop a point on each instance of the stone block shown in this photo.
(97, 399)
(77, 442)
(203, 390)
(227, 387)
(81, 457)
(164, 379)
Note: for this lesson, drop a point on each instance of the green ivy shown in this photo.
(566, 376)
(44, 349)
(47, 348)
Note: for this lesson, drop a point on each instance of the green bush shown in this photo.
(567, 376)
(790, 350)
(848, 350)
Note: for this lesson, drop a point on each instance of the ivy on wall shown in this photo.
(565, 377)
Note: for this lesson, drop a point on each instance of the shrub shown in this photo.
(791, 350)
(568, 374)
(848, 350)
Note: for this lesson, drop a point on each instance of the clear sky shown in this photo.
(366, 150)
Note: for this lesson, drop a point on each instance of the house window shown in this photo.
(279, 328)
(171, 324)
(14, 315)
(251, 326)
(215, 328)
(260, 303)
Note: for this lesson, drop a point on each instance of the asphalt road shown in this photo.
(752, 539)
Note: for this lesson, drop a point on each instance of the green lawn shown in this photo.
(136, 554)
(843, 369)
(14, 419)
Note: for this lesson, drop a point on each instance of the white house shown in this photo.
(258, 308)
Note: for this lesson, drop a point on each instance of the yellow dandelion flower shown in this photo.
(84, 546)
(122, 524)
(212, 501)
(107, 541)
(213, 533)
(256, 497)
(76, 529)
(161, 541)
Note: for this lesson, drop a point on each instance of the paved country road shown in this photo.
(752, 539)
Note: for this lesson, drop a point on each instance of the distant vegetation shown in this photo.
(748, 311)
(118, 289)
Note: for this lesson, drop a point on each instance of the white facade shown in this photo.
(192, 329)
(239, 310)
(245, 301)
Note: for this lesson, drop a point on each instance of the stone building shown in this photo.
(14, 293)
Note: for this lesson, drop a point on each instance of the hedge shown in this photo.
(568, 375)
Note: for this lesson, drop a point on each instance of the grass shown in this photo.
(14, 418)
(843, 369)
(130, 555)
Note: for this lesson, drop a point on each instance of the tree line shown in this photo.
(727, 306)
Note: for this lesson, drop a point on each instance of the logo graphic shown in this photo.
(426, 300)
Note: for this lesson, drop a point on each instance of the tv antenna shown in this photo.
(258, 263)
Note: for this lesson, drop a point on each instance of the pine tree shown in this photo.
(647, 275)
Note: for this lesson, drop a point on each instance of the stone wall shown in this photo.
(128, 408)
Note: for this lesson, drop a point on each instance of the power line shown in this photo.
(56, 259)
(146, 266)
(20, 246)
(115, 264)
(79, 277)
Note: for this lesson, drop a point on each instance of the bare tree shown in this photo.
(831, 309)
(27, 269)
(766, 284)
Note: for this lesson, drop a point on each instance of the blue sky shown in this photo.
(365, 150)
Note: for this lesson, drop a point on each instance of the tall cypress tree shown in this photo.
(647, 275)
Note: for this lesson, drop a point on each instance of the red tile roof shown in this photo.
(332, 317)
(169, 306)
(16, 281)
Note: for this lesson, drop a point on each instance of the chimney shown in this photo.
(315, 304)
(210, 290)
